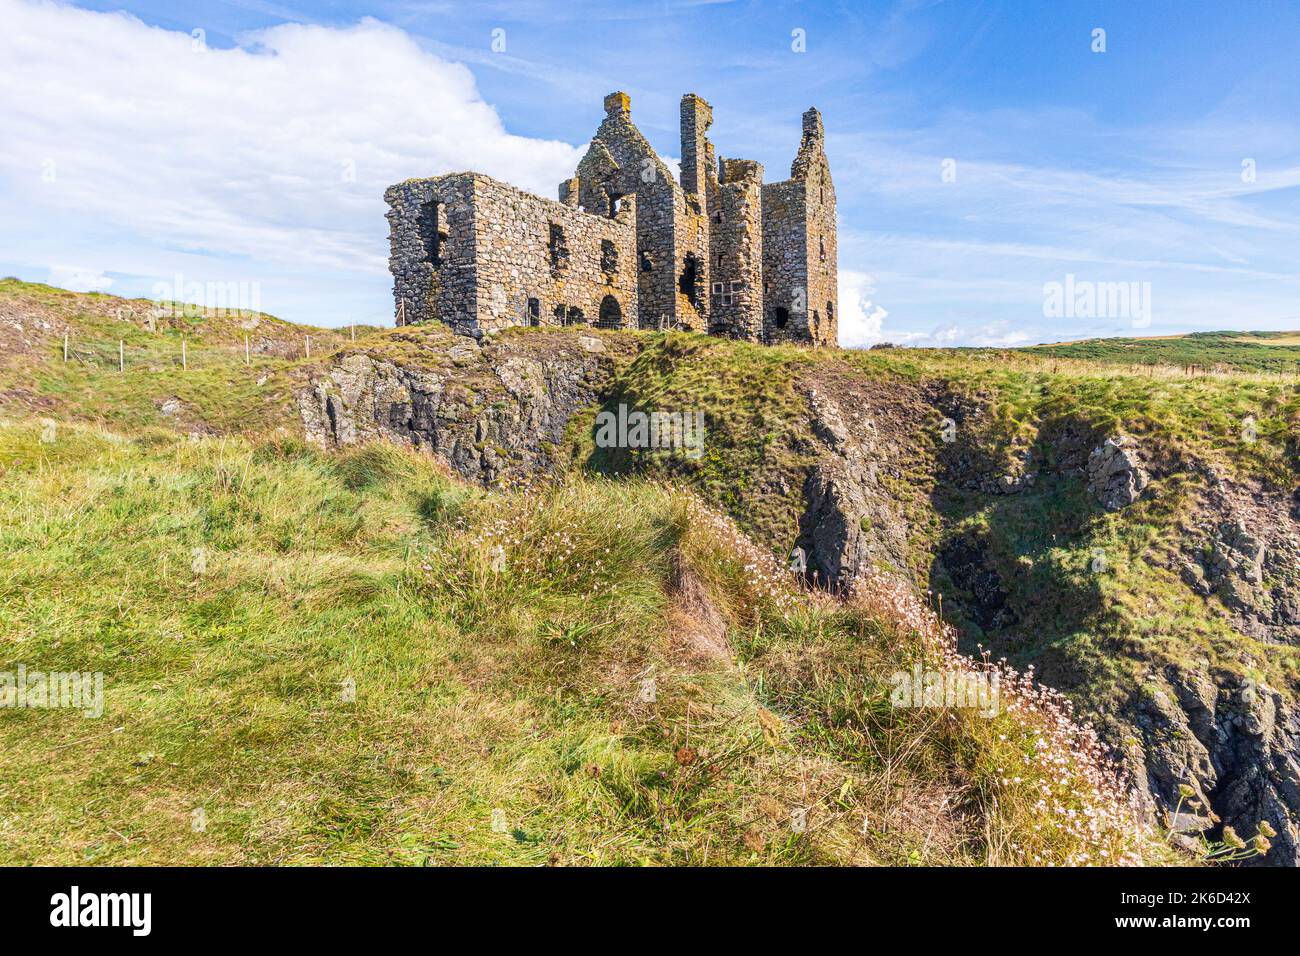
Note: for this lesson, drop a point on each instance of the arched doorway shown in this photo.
(611, 313)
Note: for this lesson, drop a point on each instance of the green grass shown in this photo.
(1261, 352)
(1248, 422)
(518, 689)
(125, 358)
(329, 657)
(754, 420)
(1099, 635)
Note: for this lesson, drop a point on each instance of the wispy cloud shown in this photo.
(129, 155)
(268, 157)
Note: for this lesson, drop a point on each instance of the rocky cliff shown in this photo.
(1155, 586)
(495, 412)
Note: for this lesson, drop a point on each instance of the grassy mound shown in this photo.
(132, 363)
(354, 659)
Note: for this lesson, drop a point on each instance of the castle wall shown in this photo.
(800, 247)
(516, 260)
(785, 263)
(548, 251)
(692, 268)
(432, 284)
(673, 268)
(812, 168)
(719, 252)
(736, 292)
(694, 260)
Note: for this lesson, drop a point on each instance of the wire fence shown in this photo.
(183, 354)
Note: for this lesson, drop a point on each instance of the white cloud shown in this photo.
(79, 279)
(860, 318)
(142, 146)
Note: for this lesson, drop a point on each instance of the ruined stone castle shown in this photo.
(627, 245)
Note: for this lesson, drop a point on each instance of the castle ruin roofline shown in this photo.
(625, 241)
(812, 123)
(695, 101)
(626, 210)
(748, 171)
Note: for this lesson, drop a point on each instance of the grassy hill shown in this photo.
(134, 363)
(1262, 352)
(310, 659)
(353, 657)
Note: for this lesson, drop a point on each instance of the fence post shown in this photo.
(354, 331)
(65, 346)
(309, 346)
(246, 359)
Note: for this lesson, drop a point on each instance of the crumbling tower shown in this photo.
(697, 151)
(736, 302)
(800, 249)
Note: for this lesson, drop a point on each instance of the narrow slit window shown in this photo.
(557, 247)
(431, 232)
(689, 279)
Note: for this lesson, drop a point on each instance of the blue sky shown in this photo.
(257, 150)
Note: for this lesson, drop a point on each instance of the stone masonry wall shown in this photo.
(719, 252)
(691, 264)
(811, 167)
(736, 293)
(800, 248)
(566, 261)
(785, 262)
(544, 262)
(620, 162)
(423, 292)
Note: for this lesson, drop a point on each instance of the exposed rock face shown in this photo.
(493, 413)
(873, 456)
(1244, 548)
(967, 564)
(1115, 474)
(1236, 742)
(1233, 739)
(854, 517)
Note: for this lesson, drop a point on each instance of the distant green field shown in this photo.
(1251, 351)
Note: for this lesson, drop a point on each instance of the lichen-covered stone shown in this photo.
(1115, 474)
